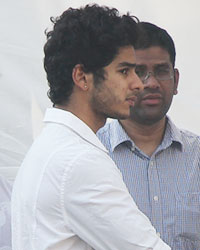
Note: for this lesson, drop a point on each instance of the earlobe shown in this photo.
(175, 92)
(79, 78)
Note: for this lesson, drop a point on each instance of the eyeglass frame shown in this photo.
(149, 73)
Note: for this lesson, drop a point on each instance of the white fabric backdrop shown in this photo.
(22, 79)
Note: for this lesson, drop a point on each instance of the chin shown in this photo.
(150, 120)
(119, 116)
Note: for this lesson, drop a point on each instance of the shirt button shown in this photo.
(158, 234)
(132, 148)
(151, 163)
(155, 198)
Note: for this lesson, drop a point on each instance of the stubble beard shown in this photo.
(103, 108)
(144, 117)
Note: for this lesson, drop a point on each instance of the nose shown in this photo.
(151, 81)
(136, 83)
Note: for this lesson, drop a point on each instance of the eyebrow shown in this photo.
(162, 65)
(126, 64)
(158, 65)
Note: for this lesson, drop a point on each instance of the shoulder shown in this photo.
(78, 152)
(189, 136)
(183, 136)
(190, 142)
(90, 166)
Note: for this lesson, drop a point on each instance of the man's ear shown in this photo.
(79, 77)
(176, 80)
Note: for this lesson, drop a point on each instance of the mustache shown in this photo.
(146, 92)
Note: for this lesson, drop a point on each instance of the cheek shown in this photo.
(121, 87)
(121, 93)
(168, 95)
(117, 89)
(168, 89)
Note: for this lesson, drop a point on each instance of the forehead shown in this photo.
(152, 56)
(124, 55)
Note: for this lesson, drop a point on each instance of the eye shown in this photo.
(124, 71)
(162, 72)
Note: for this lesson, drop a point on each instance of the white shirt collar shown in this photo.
(68, 119)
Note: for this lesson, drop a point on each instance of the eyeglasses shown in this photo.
(159, 74)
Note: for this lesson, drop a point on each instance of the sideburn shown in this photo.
(99, 76)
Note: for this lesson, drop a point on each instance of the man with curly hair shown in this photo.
(68, 193)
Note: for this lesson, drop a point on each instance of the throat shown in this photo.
(147, 147)
(146, 138)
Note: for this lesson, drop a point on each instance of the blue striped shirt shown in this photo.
(165, 186)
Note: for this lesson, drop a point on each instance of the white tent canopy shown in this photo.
(23, 96)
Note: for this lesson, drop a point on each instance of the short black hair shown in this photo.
(90, 36)
(152, 35)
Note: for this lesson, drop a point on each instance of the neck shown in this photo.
(145, 137)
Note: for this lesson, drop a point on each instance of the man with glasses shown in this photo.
(159, 162)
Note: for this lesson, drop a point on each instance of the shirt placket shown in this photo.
(155, 196)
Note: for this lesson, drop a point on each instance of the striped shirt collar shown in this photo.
(118, 135)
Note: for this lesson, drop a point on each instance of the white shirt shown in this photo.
(5, 220)
(69, 194)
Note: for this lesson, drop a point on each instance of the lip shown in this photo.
(152, 99)
(131, 100)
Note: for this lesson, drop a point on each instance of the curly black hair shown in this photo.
(152, 35)
(90, 36)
